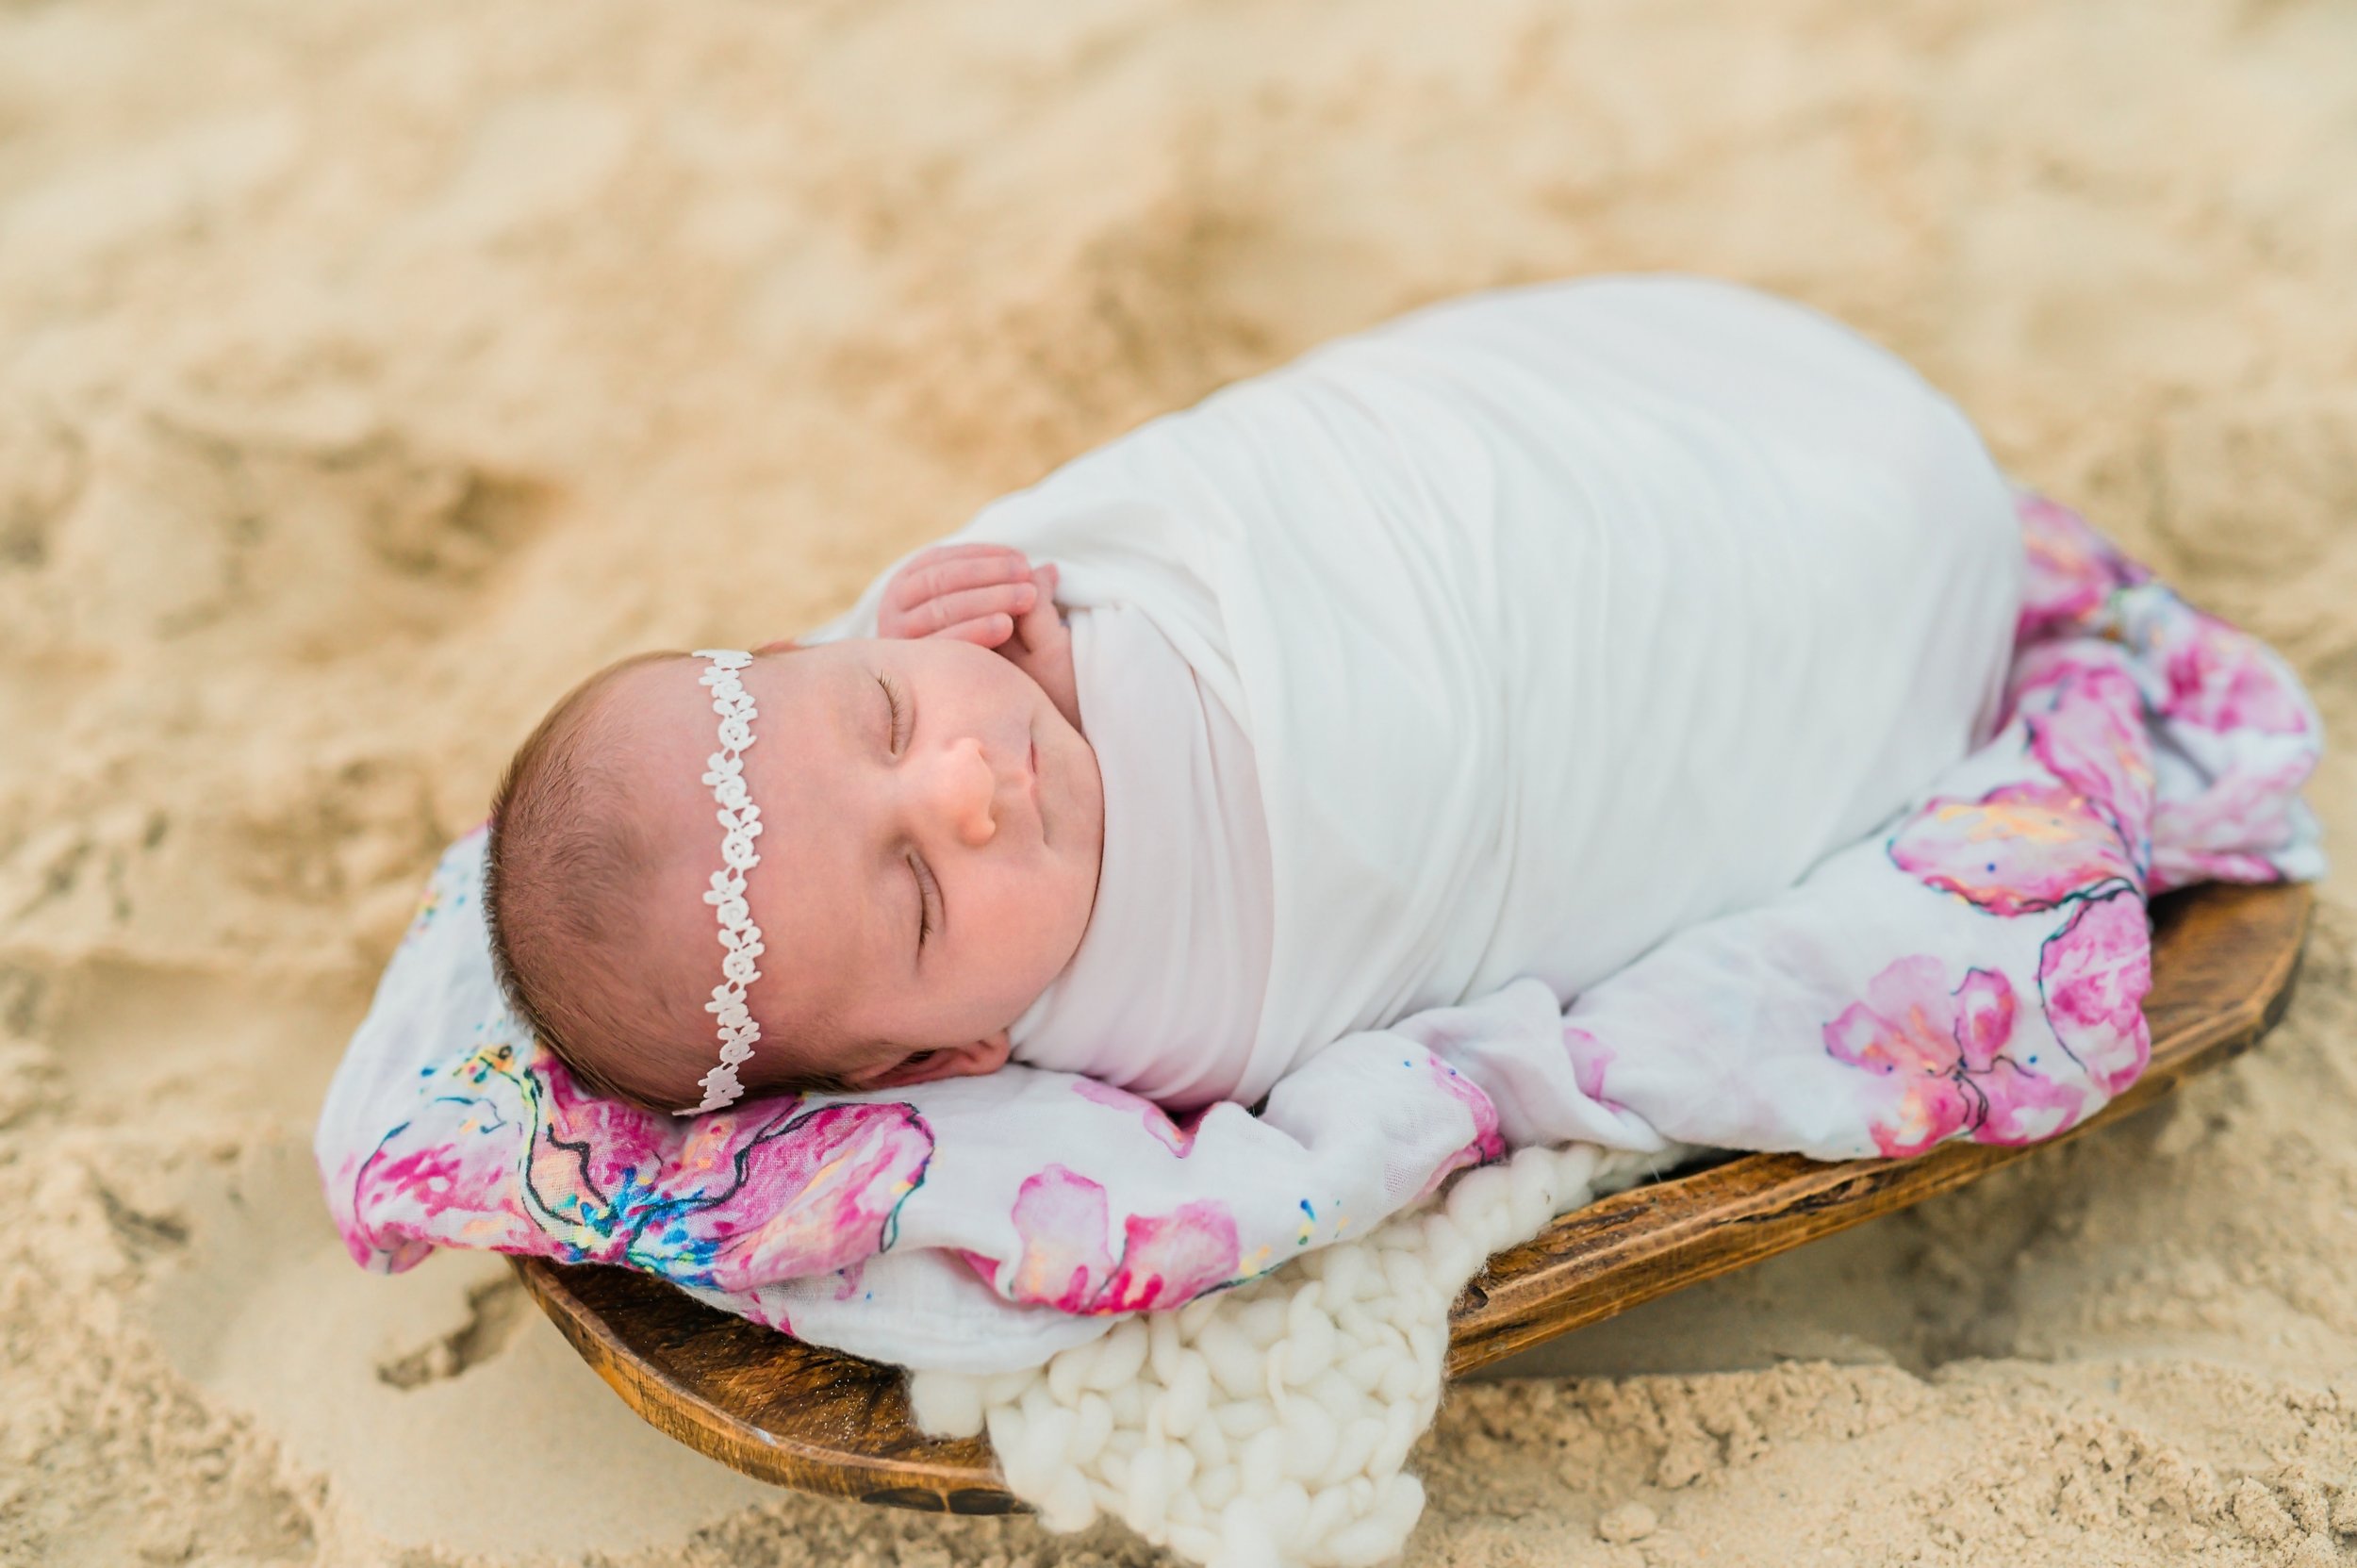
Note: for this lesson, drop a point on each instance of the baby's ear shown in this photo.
(971, 1060)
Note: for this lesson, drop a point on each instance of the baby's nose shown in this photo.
(963, 787)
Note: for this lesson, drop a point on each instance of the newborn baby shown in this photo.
(940, 812)
(1497, 643)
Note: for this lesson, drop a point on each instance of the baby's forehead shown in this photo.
(664, 695)
(659, 738)
(653, 721)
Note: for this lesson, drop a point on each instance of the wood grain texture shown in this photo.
(2225, 960)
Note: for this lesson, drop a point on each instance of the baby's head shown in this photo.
(930, 831)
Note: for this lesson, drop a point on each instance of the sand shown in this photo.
(369, 371)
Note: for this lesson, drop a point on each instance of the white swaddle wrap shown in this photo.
(1557, 619)
(1177, 952)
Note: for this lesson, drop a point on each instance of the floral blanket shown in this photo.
(1974, 971)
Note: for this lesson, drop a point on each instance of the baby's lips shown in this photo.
(783, 645)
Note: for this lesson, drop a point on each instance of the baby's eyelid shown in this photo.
(896, 714)
(926, 925)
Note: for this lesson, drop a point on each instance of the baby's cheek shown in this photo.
(1041, 912)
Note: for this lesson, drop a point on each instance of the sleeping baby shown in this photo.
(1495, 644)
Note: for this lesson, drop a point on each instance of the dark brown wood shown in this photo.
(757, 1401)
(2225, 960)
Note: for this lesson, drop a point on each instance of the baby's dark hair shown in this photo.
(567, 868)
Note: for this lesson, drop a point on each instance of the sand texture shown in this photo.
(369, 371)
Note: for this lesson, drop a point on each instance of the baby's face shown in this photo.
(930, 832)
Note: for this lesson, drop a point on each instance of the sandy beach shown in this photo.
(368, 373)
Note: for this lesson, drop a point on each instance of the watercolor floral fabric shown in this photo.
(1974, 971)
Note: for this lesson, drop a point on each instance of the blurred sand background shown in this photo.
(369, 371)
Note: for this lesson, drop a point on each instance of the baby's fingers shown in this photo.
(957, 569)
(989, 631)
(1040, 622)
(937, 616)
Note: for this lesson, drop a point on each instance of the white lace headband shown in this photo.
(740, 821)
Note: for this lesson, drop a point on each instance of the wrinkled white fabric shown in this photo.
(1559, 618)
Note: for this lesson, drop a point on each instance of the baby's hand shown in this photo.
(972, 592)
(1041, 647)
(993, 596)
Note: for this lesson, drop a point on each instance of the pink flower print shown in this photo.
(428, 1169)
(445, 1177)
(2073, 569)
(2032, 846)
(1061, 1218)
(2094, 974)
(2023, 1107)
(608, 1141)
(1590, 1058)
(589, 1161)
(2225, 832)
(2221, 679)
(1915, 1032)
(1488, 1146)
(2093, 738)
(2017, 849)
(1942, 1053)
(1177, 1137)
(1169, 1260)
(808, 1193)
